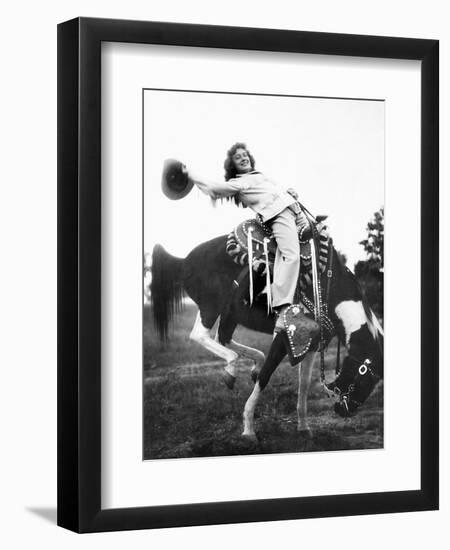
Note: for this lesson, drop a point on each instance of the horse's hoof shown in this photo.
(305, 433)
(228, 379)
(251, 438)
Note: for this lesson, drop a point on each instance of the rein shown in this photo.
(320, 306)
(321, 314)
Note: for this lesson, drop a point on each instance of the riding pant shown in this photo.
(287, 258)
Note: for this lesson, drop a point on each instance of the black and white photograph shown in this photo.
(263, 270)
(226, 248)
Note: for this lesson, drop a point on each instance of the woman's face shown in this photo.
(241, 161)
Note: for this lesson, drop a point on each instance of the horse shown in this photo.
(210, 277)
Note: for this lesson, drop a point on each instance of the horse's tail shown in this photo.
(166, 288)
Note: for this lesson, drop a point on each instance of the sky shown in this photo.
(330, 150)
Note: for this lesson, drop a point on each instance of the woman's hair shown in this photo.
(230, 169)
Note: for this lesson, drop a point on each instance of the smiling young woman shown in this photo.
(276, 207)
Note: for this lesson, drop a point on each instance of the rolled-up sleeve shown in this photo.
(218, 189)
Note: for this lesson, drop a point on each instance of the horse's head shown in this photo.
(353, 385)
(360, 373)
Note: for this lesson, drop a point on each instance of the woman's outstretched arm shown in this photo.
(214, 189)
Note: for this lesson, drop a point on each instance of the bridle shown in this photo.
(364, 369)
(319, 307)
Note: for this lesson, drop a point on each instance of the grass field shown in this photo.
(189, 412)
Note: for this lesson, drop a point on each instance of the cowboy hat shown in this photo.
(175, 183)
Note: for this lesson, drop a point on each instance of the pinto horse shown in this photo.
(218, 286)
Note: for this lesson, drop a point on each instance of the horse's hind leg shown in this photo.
(249, 412)
(304, 382)
(201, 334)
(256, 355)
(250, 353)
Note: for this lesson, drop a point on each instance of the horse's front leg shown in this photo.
(304, 382)
(274, 357)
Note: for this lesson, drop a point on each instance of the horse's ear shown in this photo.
(175, 183)
(320, 219)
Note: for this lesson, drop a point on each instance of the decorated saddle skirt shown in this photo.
(255, 234)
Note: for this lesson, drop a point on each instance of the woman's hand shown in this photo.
(293, 193)
(185, 172)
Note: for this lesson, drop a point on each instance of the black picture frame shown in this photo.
(79, 274)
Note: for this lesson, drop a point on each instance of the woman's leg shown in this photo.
(287, 259)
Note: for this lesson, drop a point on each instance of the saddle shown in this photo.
(257, 235)
(252, 244)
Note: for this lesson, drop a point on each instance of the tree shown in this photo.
(370, 272)
(374, 244)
